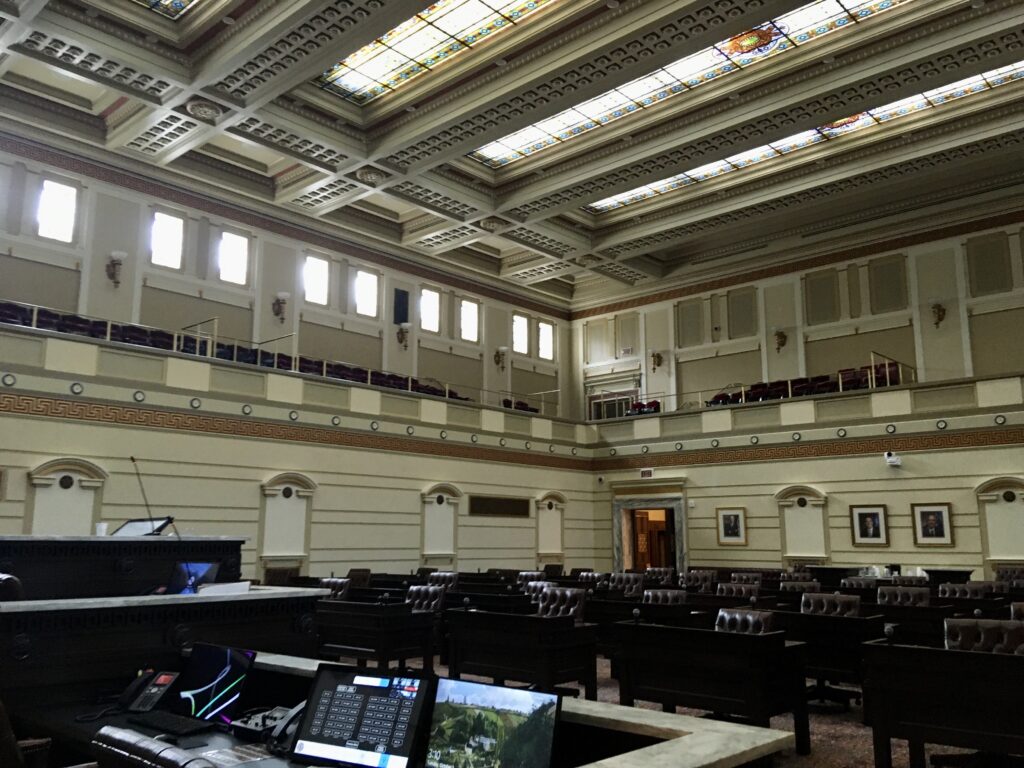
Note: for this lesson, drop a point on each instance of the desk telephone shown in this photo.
(146, 691)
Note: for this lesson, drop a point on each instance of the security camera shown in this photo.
(892, 459)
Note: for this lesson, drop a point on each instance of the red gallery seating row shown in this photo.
(49, 320)
(884, 375)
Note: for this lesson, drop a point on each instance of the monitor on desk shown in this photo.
(143, 526)
(360, 717)
(213, 679)
(490, 726)
(189, 576)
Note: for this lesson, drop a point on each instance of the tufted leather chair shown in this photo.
(985, 635)
(909, 581)
(1009, 574)
(698, 581)
(904, 596)
(590, 578)
(339, 587)
(746, 578)
(998, 587)
(630, 584)
(799, 586)
(827, 604)
(10, 588)
(664, 576)
(738, 590)
(524, 576)
(444, 579)
(121, 748)
(562, 601)
(534, 588)
(796, 576)
(360, 577)
(664, 596)
(858, 582)
(425, 598)
(972, 590)
(743, 621)
(1017, 611)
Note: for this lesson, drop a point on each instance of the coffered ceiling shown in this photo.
(575, 151)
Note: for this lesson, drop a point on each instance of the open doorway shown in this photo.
(654, 538)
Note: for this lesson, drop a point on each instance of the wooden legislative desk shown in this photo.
(383, 632)
(590, 734)
(70, 646)
(63, 567)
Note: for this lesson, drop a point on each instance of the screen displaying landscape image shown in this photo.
(487, 726)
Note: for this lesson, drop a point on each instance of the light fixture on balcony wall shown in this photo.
(938, 313)
(656, 360)
(279, 305)
(499, 357)
(780, 339)
(114, 265)
(402, 334)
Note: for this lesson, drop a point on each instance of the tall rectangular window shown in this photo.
(521, 334)
(316, 274)
(469, 320)
(430, 310)
(366, 293)
(233, 258)
(56, 213)
(545, 341)
(166, 240)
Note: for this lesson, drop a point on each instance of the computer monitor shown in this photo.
(188, 576)
(143, 526)
(213, 679)
(489, 726)
(360, 717)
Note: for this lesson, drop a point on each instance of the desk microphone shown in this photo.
(149, 514)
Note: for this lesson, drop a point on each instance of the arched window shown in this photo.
(285, 517)
(66, 498)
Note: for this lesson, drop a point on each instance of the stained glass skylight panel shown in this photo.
(767, 40)
(172, 9)
(830, 131)
(420, 44)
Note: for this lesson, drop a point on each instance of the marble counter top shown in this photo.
(689, 742)
(97, 603)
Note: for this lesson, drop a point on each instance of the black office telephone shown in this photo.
(146, 691)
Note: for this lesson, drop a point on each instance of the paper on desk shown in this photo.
(237, 755)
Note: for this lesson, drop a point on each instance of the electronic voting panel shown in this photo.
(355, 718)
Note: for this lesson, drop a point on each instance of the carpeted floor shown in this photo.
(838, 740)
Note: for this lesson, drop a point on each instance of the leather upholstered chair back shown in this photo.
(827, 604)
(746, 578)
(796, 576)
(904, 596)
(1009, 574)
(425, 598)
(10, 588)
(121, 748)
(985, 635)
(909, 581)
(630, 584)
(360, 577)
(664, 596)
(444, 579)
(698, 581)
(743, 621)
(972, 590)
(799, 586)
(534, 588)
(1017, 611)
(562, 601)
(664, 576)
(339, 587)
(524, 576)
(738, 590)
(858, 582)
(590, 578)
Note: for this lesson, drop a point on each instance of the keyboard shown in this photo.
(168, 722)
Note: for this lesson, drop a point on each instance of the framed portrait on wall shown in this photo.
(933, 524)
(869, 525)
(732, 526)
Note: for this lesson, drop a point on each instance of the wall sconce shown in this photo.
(656, 360)
(938, 313)
(499, 357)
(279, 305)
(113, 267)
(403, 335)
(780, 340)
